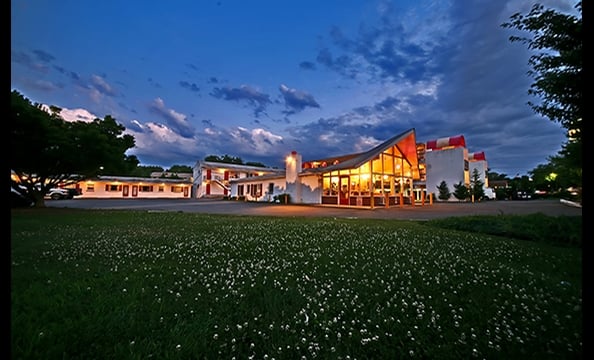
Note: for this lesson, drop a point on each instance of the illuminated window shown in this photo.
(113, 187)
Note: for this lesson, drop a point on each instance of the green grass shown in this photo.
(560, 230)
(89, 284)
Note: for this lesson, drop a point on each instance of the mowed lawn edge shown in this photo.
(138, 284)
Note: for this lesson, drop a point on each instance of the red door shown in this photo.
(125, 190)
(134, 190)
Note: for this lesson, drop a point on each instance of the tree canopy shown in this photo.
(228, 159)
(48, 151)
(557, 70)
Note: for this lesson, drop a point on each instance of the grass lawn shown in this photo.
(96, 284)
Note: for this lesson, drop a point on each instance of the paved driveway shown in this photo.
(406, 212)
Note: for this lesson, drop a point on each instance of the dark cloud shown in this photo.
(192, 66)
(71, 74)
(192, 87)
(44, 56)
(342, 64)
(307, 65)
(254, 98)
(24, 59)
(153, 83)
(296, 101)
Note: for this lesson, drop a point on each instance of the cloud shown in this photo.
(192, 87)
(99, 84)
(174, 119)
(307, 65)
(44, 56)
(173, 148)
(77, 115)
(296, 101)
(245, 93)
(22, 58)
(70, 74)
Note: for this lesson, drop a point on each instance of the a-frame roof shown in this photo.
(405, 142)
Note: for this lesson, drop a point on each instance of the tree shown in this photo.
(48, 151)
(557, 71)
(180, 169)
(144, 170)
(461, 191)
(255, 163)
(227, 159)
(444, 191)
(477, 185)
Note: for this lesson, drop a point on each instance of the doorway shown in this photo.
(343, 190)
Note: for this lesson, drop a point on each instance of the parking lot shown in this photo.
(406, 212)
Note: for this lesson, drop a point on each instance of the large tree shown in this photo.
(47, 151)
(556, 68)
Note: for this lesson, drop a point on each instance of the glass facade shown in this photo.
(388, 177)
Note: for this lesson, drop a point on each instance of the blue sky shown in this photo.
(259, 79)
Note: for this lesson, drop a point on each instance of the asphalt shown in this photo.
(406, 212)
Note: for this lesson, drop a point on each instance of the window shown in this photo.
(270, 188)
(90, 187)
(177, 189)
(113, 187)
(145, 188)
(256, 190)
(239, 190)
(161, 188)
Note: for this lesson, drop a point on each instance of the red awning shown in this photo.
(452, 141)
(477, 156)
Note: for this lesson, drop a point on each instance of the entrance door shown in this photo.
(343, 190)
(125, 190)
(134, 190)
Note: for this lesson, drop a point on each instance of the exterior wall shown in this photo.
(311, 190)
(265, 195)
(133, 189)
(446, 165)
(215, 179)
(308, 190)
(481, 166)
(293, 181)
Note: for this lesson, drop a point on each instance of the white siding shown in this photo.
(445, 165)
(113, 189)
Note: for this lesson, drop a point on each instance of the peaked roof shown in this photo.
(405, 142)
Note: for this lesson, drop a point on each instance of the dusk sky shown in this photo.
(259, 79)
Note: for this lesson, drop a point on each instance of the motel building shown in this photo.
(447, 159)
(135, 187)
(212, 179)
(387, 175)
(397, 172)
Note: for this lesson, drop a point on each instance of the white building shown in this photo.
(446, 159)
(477, 160)
(211, 179)
(134, 187)
(382, 176)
